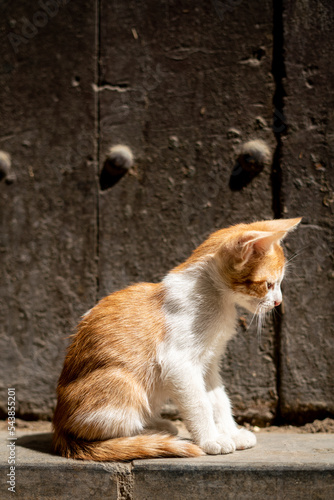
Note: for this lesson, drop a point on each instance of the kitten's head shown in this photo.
(251, 262)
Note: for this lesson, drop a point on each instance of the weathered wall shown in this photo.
(48, 214)
(173, 93)
(307, 347)
(184, 84)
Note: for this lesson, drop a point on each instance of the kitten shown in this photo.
(140, 346)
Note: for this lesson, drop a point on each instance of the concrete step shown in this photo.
(282, 466)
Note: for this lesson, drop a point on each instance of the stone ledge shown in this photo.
(282, 465)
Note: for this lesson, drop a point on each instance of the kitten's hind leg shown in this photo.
(163, 425)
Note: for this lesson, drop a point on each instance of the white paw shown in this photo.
(244, 439)
(211, 448)
(221, 445)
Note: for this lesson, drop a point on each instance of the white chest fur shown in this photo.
(200, 315)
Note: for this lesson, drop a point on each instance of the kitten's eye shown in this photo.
(270, 285)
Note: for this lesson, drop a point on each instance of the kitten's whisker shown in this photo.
(254, 315)
(299, 252)
(260, 318)
(276, 312)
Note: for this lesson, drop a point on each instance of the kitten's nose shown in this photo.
(277, 302)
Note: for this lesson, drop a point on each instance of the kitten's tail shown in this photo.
(125, 448)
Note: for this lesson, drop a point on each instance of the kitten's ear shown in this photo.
(254, 242)
(260, 242)
(279, 225)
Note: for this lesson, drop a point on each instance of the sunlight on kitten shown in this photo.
(150, 342)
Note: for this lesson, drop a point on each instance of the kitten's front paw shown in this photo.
(226, 443)
(244, 439)
(222, 445)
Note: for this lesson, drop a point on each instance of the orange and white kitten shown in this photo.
(150, 342)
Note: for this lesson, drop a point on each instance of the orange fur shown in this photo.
(120, 449)
(223, 237)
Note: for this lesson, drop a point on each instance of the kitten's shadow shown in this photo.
(37, 442)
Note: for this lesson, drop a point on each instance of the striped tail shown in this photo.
(125, 448)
